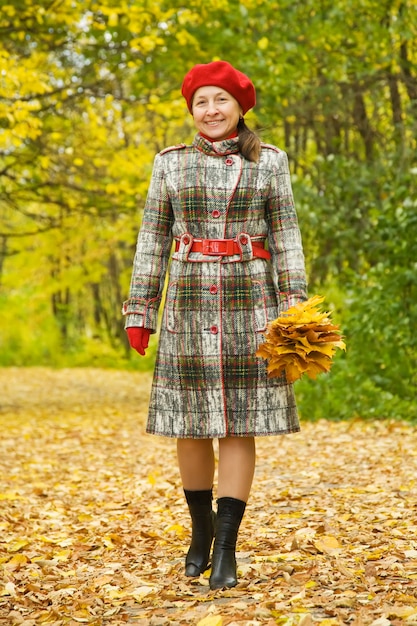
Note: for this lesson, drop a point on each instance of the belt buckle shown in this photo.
(218, 247)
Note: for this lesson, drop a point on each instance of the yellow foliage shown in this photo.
(302, 340)
(263, 43)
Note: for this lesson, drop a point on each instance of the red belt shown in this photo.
(224, 247)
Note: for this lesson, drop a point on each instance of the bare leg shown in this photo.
(196, 463)
(236, 467)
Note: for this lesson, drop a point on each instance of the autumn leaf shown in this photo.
(327, 545)
(16, 546)
(211, 620)
(302, 340)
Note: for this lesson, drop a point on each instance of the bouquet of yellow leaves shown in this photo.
(302, 340)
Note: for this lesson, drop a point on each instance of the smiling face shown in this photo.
(216, 112)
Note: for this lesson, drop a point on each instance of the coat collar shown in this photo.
(216, 148)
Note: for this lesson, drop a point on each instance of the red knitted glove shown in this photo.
(138, 338)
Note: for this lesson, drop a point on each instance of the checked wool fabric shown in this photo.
(208, 383)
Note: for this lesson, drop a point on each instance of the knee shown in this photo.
(194, 446)
(237, 444)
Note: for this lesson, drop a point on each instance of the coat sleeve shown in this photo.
(284, 237)
(152, 254)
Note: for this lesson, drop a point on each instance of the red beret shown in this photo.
(220, 74)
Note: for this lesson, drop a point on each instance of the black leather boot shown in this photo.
(203, 520)
(223, 567)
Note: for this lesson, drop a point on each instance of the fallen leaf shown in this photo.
(15, 546)
(9, 589)
(211, 620)
(327, 545)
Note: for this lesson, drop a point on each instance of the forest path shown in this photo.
(94, 526)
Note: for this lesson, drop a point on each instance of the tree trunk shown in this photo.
(409, 80)
(3, 253)
(396, 108)
(362, 123)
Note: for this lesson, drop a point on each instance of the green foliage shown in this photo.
(376, 270)
(89, 93)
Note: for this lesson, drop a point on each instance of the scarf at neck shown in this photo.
(231, 136)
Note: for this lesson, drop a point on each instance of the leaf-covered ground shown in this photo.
(94, 527)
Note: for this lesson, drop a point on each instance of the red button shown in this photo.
(244, 240)
(213, 289)
(228, 161)
(215, 213)
(214, 330)
(186, 240)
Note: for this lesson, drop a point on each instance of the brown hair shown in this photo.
(249, 142)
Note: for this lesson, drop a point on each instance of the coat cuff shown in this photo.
(134, 320)
(141, 313)
(287, 300)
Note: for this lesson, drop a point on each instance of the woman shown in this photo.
(219, 200)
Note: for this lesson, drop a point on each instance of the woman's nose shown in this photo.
(211, 108)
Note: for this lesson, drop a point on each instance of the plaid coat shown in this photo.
(208, 382)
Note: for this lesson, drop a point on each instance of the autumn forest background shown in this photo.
(90, 91)
(93, 523)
